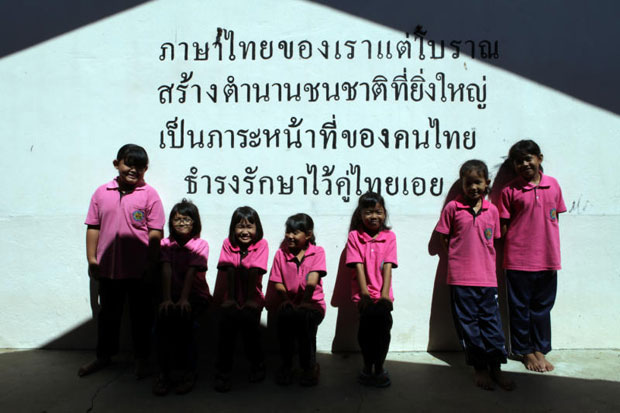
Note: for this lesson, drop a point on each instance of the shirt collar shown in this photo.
(365, 238)
(528, 186)
(113, 185)
(188, 245)
(460, 203)
(311, 250)
(235, 248)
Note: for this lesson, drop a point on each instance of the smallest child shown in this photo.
(467, 228)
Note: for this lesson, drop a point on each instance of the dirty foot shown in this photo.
(542, 360)
(482, 378)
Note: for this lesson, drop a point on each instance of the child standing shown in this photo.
(185, 295)
(529, 209)
(371, 252)
(243, 261)
(297, 297)
(467, 228)
(124, 227)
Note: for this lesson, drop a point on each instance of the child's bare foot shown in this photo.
(532, 363)
(483, 379)
(542, 360)
(501, 379)
(93, 366)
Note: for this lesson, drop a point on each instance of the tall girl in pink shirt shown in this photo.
(529, 209)
(371, 253)
(238, 289)
(467, 227)
(295, 294)
(185, 296)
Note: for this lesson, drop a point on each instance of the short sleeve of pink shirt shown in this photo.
(373, 253)
(124, 223)
(533, 239)
(471, 252)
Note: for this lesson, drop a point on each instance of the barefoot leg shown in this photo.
(501, 379)
(542, 360)
(483, 379)
(531, 363)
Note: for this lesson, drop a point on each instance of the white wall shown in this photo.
(70, 102)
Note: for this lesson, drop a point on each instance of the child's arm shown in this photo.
(445, 241)
(361, 280)
(230, 288)
(155, 236)
(190, 276)
(92, 238)
(312, 279)
(387, 282)
(281, 290)
(253, 274)
(504, 224)
(166, 282)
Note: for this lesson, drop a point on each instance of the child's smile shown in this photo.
(528, 167)
(245, 232)
(474, 185)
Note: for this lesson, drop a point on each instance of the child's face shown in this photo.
(129, 175)
(373, 218)
(183, 225)
(245, 232)
(528, 166)
(297, 240)
(474, 185)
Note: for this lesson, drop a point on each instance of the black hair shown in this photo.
(367, 200)
(301, 222)
(133, 155)
(522, 148)
(249, 214)
(475, 165)
(187, 208)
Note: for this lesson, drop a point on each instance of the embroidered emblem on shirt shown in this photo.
(138, 215)
(553, 214)
(488, 233)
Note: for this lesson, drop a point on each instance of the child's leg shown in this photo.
(543, 299)
(111, 300)
(286, 330)
(141, 315)
(366, 339)
(384, 327)
(465, 303)
(226, 344)
(309, 321)
(165, 341)
(520, 287)
(250, 327)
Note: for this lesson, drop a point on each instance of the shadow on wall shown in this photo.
(563, 45)
(26, 23)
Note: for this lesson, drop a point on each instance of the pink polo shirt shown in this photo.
(471, 254)
(533, 238)
(194, 253)
(373, 253)
(292, 273)
(230, 256)
(124, 224)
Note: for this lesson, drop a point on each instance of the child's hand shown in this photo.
(307, 305)
(184, 305)
(94, 270)
(165, 306)
(285, 304)
(364, 302)
(229, 304)
(251, 304)
(385, 301)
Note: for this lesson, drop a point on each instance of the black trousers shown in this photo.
(176, 338)
(298, 325)
(373, 334)
(233, 320)
(478, 325)
(112, 295)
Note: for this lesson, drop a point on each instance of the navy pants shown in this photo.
(233, 320)
(478, 325)
(298, 325)
(531, 296)
(176, 341)
(373, 334)
(112, 295)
